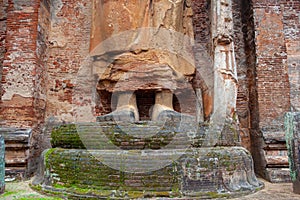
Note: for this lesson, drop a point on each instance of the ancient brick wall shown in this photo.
(23, 72)
(38, 141)
(3, 19)
(276, 27)
(68, 46)
(243, 112)
(19, 66)
(272, 74)
(202, 52)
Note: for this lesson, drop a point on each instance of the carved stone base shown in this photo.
(195, 173)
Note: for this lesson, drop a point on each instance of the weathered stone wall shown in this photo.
(272, 73)
(38, 142)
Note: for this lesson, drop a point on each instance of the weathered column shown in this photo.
(225, 75)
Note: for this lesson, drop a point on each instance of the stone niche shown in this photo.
(166, 129)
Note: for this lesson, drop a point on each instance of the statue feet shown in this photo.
(169, 115)
(163, 113)
(125, 114)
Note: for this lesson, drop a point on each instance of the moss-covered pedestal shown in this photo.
(142, 167)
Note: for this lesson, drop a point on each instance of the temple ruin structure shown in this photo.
(200, 83)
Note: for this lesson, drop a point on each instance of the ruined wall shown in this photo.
(44, 44)
(68, 46)
(19, 65)
(23, 72)
(38, 142)
(291, 24)
(3, 19)
(276, 27)
(202, 53)
(240, 47)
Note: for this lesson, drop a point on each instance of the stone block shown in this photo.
(128, 135)
(278, 175)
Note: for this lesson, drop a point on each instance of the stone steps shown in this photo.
(17, 144)
(140, 135)
(186, 173)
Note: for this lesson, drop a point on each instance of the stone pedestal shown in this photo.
(110, 160)
(2, 165)
(292, 130)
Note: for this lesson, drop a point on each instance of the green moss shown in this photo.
(48, 153)
(215, 195)
(37, 188)
(66, 136)
(8, 193)
(39, 198)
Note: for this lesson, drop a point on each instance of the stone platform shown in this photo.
(198, 172)
(142, 160)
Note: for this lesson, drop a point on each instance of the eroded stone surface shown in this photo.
(205, 172)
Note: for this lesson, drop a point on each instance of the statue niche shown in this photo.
(142, 49)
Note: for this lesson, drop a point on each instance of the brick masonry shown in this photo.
(275, 83)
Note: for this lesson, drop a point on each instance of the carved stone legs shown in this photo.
(127, 108)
